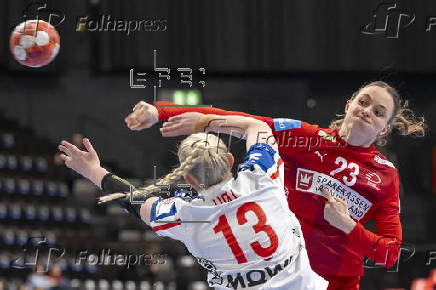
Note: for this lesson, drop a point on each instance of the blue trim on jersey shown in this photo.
(172, 211)
(281, 124)
(153, 210)
(261, 154)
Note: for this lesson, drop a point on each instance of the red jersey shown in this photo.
(316, 157)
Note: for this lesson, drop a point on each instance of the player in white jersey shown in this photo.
(240, 229)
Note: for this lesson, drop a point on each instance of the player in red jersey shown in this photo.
(335, 177)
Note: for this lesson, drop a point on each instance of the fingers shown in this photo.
(340, 200)
(135, 107)
(130, 120)
(139, 105)
(327, 194)
(171, 129)
(67, 160)
(72, 148)
(330, 198)
(174, 118)
(88, 145)
(65, 157)
(137, 127)
(65, 150)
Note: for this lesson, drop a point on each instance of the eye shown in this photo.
(363, 102)
(379, 113)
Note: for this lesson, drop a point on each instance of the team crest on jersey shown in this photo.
(304, 180)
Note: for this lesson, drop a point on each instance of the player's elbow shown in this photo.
(261, 131)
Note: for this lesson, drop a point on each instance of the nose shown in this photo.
(365, 112)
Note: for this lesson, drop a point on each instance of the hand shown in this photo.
(85, 163)
(336, 212)
(144, 116)
(183, 124)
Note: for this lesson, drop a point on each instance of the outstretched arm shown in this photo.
(145, 115)
(87, 163)
(254, 131)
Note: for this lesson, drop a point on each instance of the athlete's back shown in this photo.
(241, 230)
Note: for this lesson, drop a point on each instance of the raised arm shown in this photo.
(253, 130)
(145, 115)
(87, 163)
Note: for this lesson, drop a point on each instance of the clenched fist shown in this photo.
(143, 116)
(336, 212)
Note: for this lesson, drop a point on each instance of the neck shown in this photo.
(353, 139)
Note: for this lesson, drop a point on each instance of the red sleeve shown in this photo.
(168, 109)
(382, 247)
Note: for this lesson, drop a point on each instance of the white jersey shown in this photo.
(241, 230)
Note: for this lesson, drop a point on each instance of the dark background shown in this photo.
(262, 57)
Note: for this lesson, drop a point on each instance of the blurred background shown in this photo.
(295, 59)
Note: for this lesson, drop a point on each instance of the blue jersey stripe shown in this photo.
(281, 124)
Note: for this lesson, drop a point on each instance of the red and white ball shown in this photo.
(34, 43)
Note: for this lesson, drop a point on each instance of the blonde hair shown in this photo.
(403, 119)
(202, 155)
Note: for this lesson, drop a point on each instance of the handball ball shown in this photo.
(34, 43)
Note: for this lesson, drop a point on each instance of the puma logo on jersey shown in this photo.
(321, 156)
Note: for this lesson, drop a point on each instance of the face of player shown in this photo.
(367, 115)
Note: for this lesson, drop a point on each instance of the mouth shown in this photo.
(364, 119)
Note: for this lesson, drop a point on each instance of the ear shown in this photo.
(230, 160)
(347, 105)
(385, 131)
(191, 180)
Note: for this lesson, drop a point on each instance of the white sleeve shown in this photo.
(166, 218)
(262, 166)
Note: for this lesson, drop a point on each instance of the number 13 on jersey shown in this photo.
(261, 226)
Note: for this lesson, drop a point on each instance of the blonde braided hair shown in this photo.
(203, 155)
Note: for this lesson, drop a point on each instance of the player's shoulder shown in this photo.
(377, 162)
(380, 161)
(260, 155)
(383, 161)
(284, 124)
